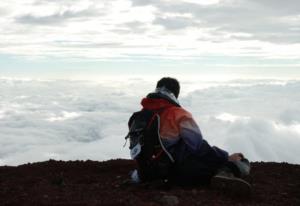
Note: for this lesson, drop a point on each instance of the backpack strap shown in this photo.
(161, 144)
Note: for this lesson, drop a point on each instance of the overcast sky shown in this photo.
(236, 38)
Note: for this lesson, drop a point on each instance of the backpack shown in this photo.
(146, 147)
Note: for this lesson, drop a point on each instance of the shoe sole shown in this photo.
(232, 185)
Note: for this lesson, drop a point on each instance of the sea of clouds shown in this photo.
(70, 120)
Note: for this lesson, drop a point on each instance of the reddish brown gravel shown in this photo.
(100, 183)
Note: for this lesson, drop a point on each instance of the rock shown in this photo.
(194, 192)
(169, 200)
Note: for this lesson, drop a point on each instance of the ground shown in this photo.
(100, 183)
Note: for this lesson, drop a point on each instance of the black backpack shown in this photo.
(146, 148)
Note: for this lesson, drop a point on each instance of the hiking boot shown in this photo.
(228, 183)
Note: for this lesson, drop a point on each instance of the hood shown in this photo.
(160, 99)
(163, 92)
(156, 103)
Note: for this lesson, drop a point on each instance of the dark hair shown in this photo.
(169, 83)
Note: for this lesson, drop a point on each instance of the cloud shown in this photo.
(62, 2)
(290, 116)
(132, 27)
(259, 119)
(174, 23)
(56, 18)
(88, 44)
(71, 120)
(3, 12)
(268, 21)
(144, 2)
(64, 119)
(131, 30)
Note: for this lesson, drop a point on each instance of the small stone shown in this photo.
(169, 200)
(116, 185)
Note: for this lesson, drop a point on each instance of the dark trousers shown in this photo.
(238, 168)
(194, 170)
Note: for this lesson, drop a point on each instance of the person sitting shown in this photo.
(195, 160)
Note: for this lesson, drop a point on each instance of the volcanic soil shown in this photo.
(102, 183)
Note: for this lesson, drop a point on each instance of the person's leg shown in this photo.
(238, 168)
(193, 171)
(243, 166)
(228, 178)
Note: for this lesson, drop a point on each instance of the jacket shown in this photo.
(179, 132)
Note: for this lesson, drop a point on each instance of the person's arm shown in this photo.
(191, 135)
(222, 154)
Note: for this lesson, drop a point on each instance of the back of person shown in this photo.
(182, 138)
(195, 161)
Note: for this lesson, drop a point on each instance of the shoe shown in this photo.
(132, 180)
(135, 177)
(227, 182)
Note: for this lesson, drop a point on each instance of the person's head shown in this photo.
(170, 84)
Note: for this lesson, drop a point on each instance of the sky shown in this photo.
(86, 39)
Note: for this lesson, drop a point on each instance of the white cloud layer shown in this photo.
(71, 120)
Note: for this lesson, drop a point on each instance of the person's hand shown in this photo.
(235, 157)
